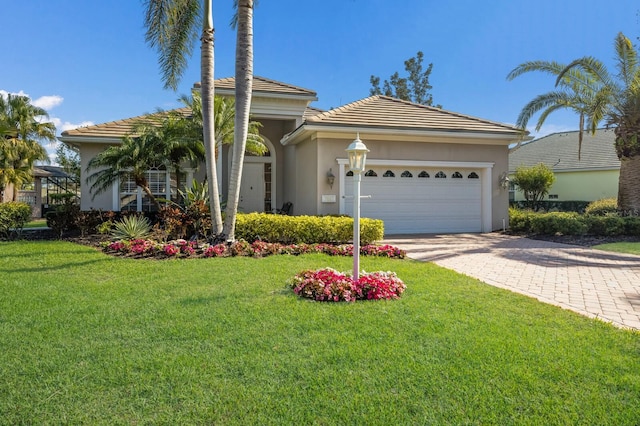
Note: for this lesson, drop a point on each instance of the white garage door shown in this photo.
(420, 200)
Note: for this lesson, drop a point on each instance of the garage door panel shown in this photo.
(414, 205)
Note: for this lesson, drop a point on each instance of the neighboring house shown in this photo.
(428, 170)
(47, 181)
(592, 177)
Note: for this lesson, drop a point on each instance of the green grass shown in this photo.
(36, 223)
(91, 339)
(622, 247)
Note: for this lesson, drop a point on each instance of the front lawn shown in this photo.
(88, 338)
(621, 247)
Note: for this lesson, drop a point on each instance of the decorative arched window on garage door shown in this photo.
(350, 173)
(389, 173)
(406, 174)
(370, 173)
(423, 174)
(456, 175)
(441, 175)
(473, 175)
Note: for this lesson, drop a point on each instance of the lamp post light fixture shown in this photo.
(357, 152)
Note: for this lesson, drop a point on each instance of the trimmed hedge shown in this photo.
(13, 215)
(283, 229)
(552, 205)
(564, 223)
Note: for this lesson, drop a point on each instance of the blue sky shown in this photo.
(86, 62)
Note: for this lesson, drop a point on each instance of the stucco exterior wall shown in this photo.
(318, 156)
(102, 201)
(582, 186)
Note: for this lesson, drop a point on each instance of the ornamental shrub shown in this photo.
(564, 223)
(329, 285)
(13, 215)
(609, 225)
(131, 227)
(520, 220)
(305, 229)
(603, 207)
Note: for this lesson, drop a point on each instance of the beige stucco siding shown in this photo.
(582, 186)
(318, 156)
(102, 201)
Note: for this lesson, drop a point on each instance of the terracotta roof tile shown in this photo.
(388, 112)
(559, 151)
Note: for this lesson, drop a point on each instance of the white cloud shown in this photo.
(62, 126)
(48, 102)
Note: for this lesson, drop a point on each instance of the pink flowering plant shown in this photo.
(329, 285)
(144, 248)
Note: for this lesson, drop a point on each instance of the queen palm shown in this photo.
(243, 20)
(172, 30)
(575, 91)
(21, 130)
(617, 103)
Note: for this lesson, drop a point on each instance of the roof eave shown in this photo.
(298, 135)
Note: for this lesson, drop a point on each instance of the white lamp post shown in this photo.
(357, 156)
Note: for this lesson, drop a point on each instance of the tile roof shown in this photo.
(117, 129)
(559, 151)
(266, 85)
(387, 112)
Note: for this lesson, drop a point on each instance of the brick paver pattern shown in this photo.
(591, 282)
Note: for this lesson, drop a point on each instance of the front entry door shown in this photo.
(252, 188)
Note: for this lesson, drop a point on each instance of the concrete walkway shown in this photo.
(591, 282)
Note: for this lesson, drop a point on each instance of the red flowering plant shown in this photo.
(329, 285)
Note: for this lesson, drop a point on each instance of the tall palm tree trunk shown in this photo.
(628, 193)
(244, 87)
(208, 122)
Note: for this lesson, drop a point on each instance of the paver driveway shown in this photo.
(591, 282)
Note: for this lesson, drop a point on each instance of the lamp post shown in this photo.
(357, 152)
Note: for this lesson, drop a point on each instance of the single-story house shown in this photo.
(428, 170)
(591, 177)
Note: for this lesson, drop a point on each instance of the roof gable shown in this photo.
(265, 86)
(384, 111)
(559, 151)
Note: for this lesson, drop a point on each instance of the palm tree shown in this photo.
(617, 102)
(172, 29)
(21, 130)
(243, 89)
(575, 92)
(131, 159)
(17, 158)
(176, 136)
(224, 116)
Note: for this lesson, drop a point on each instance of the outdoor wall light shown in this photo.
(504, 180)
(330, 178)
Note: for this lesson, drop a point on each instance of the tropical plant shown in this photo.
(617, 103)
(131, 227)
(224, 116)
(534, 182)
(21, 130)
(132, 159)
(575, 91)
(172, 29)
